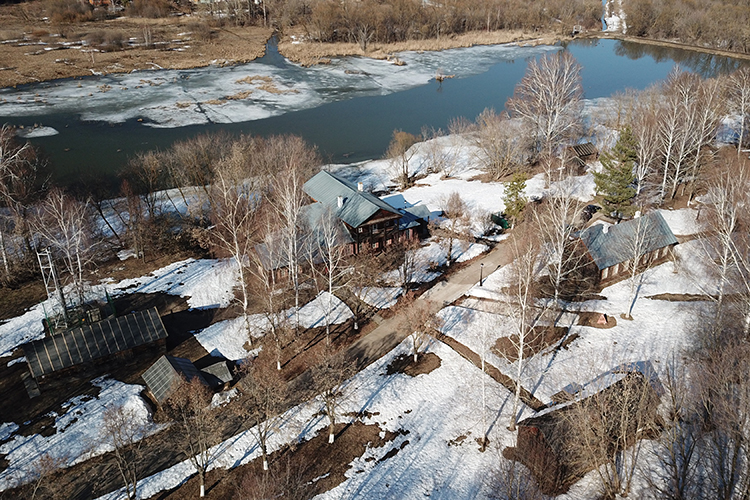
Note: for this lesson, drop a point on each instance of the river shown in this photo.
(349, 108)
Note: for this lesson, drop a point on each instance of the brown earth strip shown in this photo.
(507, 382)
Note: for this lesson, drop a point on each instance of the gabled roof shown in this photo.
(93, 341)
(583, 150)
(615, 244)
(358, 206)
(413, 216)
(168, 371)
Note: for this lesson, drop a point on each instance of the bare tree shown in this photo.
(511, 480)
(366, 269)
(644, 125)
(422, 322)
(22, 181)
(639, 260)
(328, 253)
(606, 430)
(43, 481)
(64, 225)
(189, 407)
(235, 200)
(723, 383)
(400, 152)
(739, 101)
(291, 162)
(555, 221)
(520, 305)
(455, 228)
(265, 397)
(406, 261)
(548, 99)
(330, 376)
(268, 283)
(678, 446)
(499, 143)
(727, 202)
(125, 431)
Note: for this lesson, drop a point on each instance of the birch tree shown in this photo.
(455, 227)
(235, 198)
(638, 261)
(330, 376)
(555, 221)
(64, 225)
(124, 429)
(644, 126)
(521, 308)
(327, 257)
(291, 162)
(549, 99)
(198, 427)
(739, 100)
(265, 394)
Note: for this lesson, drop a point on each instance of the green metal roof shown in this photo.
(616, 245)
(358, 206)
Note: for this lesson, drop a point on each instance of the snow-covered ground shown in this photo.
(207, 283)
(79, 432)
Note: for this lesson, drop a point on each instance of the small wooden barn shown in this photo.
(96, 341)
(615, 407)
(647, 240)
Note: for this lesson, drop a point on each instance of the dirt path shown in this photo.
(393, 330)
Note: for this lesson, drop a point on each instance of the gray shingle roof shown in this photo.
(616, 244)
(93, 341)
(168, 371)
(358, 206)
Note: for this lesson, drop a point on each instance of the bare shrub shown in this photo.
(201, 30)
(149, 8)
(69, 11)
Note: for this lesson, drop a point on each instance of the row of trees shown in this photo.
(720, 24)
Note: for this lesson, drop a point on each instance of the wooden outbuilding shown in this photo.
(617, 406)
(613, 249)
(94, 342)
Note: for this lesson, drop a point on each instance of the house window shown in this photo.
(359, 229)
(605, 273)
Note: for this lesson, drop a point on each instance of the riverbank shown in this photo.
(39, 51)
(294, 46)
(664, 43)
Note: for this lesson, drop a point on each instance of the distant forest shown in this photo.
(719, 24)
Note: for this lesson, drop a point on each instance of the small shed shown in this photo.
(94, 341)
(166, 374)
(549, 443)
(613, 248)
(217, 375)
(580, 155)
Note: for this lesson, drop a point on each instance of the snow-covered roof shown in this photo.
(610, 245)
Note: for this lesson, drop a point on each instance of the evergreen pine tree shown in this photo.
(615, 181)
(515, 201)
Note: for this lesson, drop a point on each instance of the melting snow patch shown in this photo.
(79, 432)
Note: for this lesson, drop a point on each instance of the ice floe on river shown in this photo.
(253, 91)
